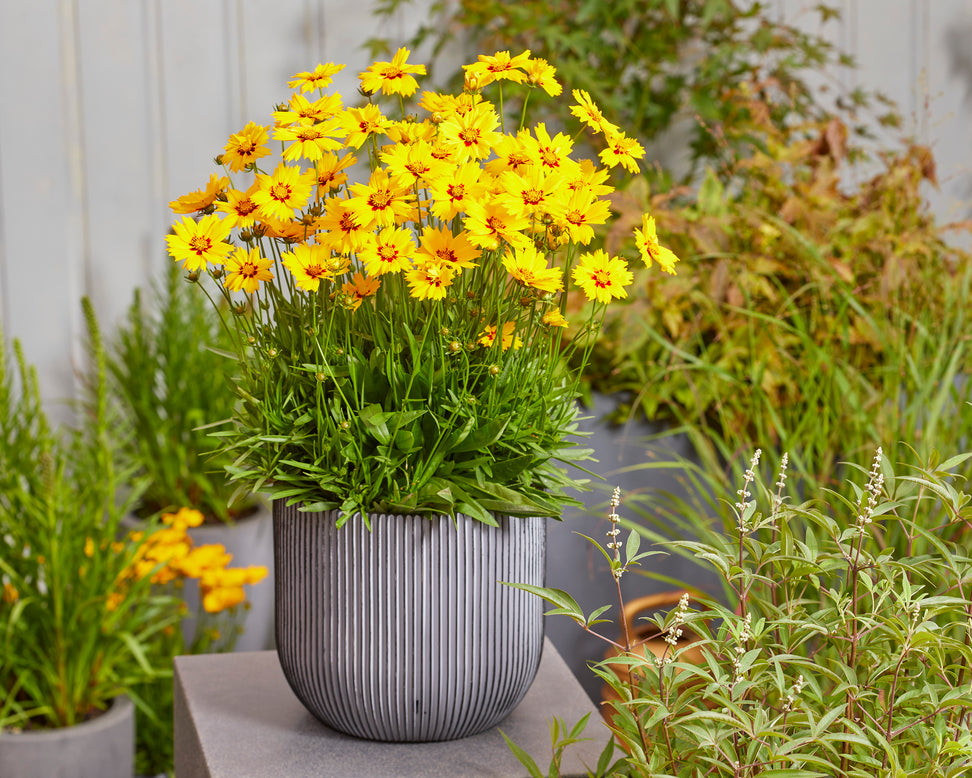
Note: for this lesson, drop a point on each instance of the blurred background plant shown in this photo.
(168, 366)
(832, 653)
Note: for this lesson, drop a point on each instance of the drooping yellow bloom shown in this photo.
(498, 66)
(601, 277)
(201, 198)
(310, 141)
(245, 269)
(542, 74)
(408, 132)
(490, 223)
(343, 230)
(451, 194)
(330, 175)
(591, 179)
(246, 147)
(383, 201)
(554, 318)
(454, 251)
(310, 264)
(488, 336)
(318, 78)
(590, 114)
(529, 267)
(473, 135)
(196, 243)
(358, 289)
(392, 78)
(287, 190)
(239, 207)
(622, 150)
(389, 251)
(429, 280)
(289, 230)
(646, 239)
(361, 123)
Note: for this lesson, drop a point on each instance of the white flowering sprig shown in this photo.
(780, 485)
(745, 506)
(674, 631)
(875, 484)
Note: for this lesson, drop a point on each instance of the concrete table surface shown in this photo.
(236, 717)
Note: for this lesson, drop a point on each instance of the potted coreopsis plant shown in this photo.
(406, 395)
(74, 626)
(169, 367)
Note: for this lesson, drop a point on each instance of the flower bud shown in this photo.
(217, 272)
(455, 346)
(272, 352)
(444, 332)
(345, 425)
(494, 370)
(192, 277)
(320, 377)
(250, 340)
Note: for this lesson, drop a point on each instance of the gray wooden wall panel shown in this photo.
(111, 108)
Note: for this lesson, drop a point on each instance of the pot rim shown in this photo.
(120, 708)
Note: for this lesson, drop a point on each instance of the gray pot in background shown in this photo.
(103, 747)
(403, 633)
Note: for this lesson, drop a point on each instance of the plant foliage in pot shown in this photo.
(406, 395)
(75, 624)
(170, 366)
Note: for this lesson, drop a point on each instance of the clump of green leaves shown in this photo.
(831, 653)
(169, 367)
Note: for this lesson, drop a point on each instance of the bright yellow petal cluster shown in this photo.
(602, 278)
(392, 78)
(646, 239)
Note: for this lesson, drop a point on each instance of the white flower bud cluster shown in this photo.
(744, 638)
(780, 483)
(744, 494)
(875, 483)
(614, 544)
(791, 698)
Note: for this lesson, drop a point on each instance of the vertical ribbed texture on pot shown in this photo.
(404, 633)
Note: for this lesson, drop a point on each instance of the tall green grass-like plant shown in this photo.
(74, 624)
(173, 382)
(831, 655)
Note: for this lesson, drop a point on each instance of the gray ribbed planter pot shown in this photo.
(403, 633)
(103, 747)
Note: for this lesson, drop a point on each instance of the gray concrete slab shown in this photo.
(235, 716)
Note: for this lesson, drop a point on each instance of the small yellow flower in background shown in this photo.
(318, 78)
(239, 208)
(10, 593)
(202, 198)
(246, 147)
(309, 265)
(554, 318)
(89, 547)
(330, 175)
(590, 114)
(202, 559)
(542, 74)
(114, 600)
(286, 190)
(183, 518)
(392, 78)
(529, 267)
(359, 124)
(388, 251)
(646, 239)
(601, 277)
(358, 289)
(488, 336)
(245, 269)
(196, 243)
(498, 66)
(622, 150)
(429, 280)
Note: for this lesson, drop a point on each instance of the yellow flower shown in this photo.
(392, 78)
(488, 336)
(361, 123)
(472, 135)
(552, 153)
(358, 289)
(310, 264)
(554, 318)
(429, 280)
(388, 251)
(246, 147)
(288, 189)
(239, 207)
(541, 73)
(245, 269)
(383, 201)
(196, 243)
(183, 518)
(10, 593)
(344, 232)
(310, 141)
(329, 172)
(303, 111)
(89, 547)
(622, 150)
(646, 239)
(498, 66)
(203, 559)
(318, 78)
(528, 193)
(576, 210)
(450, 194)
(590, 114)
(414, 164)
(511, 154)
(113, 600)
(223, 598)
(201, 198)
(490, 224)
(602, 278)
(529, 267)
(454, 251)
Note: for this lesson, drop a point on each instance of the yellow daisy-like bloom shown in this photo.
(576, 211)
(550, 153)
(330, 175)
(455, 251)
(646, 239)
(490, 224)
(511, 154)
(554, 318)
(246, 147)
(245, 269)
(383, 201)
(289, 230)
(310, 264)
(196, 243)
(358, 289)
(392, 78)
(310, 141)
(529, 267)
(451, 194)
(429, 280)
(343, 230)
(222, 598)
(590, 179)
(528, 193)
(287, 190)
(590, 114)
(601, 277)
(407, 133)
(498, 66)
(318, 78)
(622, 150)
(203, 559)
(389, 251)
(414, 164)
(201, 198)
(541, 73)
(488, 336)
(183, 518)
(239, 207)
(361, 123)
(300, 110)
(473, 134)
